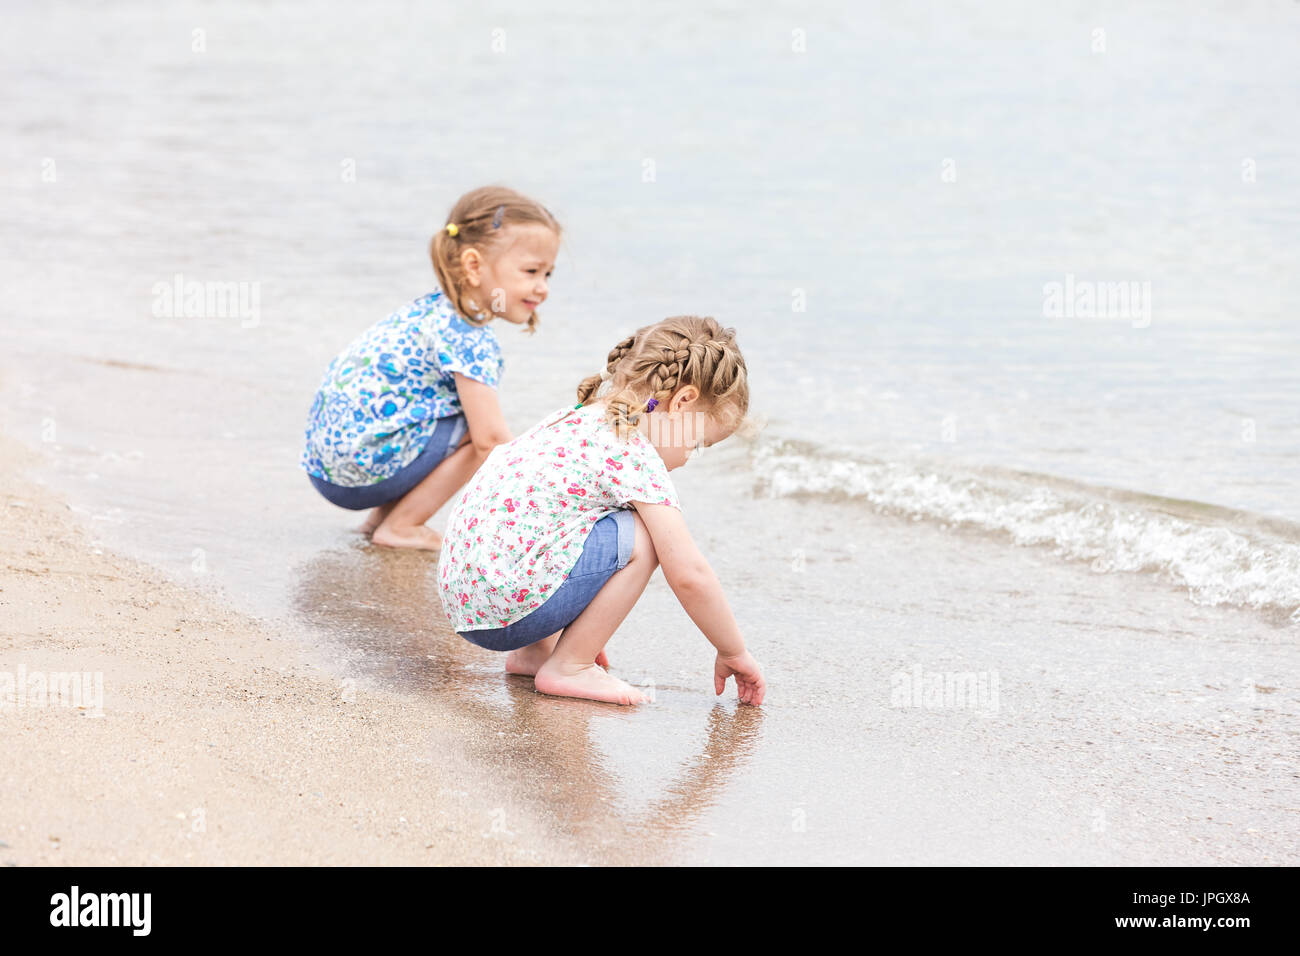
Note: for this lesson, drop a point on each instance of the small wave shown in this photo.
(1253, 563)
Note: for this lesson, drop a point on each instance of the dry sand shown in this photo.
(219, 742)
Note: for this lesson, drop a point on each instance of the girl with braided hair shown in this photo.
(557, 534)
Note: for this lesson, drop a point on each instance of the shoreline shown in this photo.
(219, 743)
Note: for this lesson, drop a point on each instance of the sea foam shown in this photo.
(1221, 557)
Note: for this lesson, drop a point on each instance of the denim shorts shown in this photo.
(444, 440)
(608, 548)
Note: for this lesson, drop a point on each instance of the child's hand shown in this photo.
(749, 679)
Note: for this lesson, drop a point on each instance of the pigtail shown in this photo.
(588, 387)
(445, 255)
(625, 409)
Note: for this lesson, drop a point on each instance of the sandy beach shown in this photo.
(228, 740)
(218, 742)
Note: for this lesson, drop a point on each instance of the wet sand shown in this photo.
(1129, 726)
(218, 743)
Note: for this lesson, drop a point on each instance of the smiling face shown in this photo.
(512, 277)
(679, 426)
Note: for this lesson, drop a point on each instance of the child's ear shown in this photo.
(471, 261)
(685, 396)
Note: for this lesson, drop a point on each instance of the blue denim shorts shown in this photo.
(444, 440)
(608, 548)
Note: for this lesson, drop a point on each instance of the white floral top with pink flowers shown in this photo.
(519, 527)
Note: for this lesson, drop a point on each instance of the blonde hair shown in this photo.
(659, 359)
(480, 218)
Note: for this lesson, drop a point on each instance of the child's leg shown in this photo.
(571, 670)
(403, 526)
(376, 518)
(528, 660)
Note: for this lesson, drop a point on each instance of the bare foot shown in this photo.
(375, 518)
(527, 660)
(588, 681)
(419, 537)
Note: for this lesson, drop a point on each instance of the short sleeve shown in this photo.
(637, 473)
(473, 352)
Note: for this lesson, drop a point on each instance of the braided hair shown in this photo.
(658, 360)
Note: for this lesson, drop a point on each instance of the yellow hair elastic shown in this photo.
(452, 229)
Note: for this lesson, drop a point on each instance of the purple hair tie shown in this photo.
(650, 405)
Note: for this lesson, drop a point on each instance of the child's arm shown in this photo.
(700, 593)
(487, 426)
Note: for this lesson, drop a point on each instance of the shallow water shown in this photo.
(1100, 512)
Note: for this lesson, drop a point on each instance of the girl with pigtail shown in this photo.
(559, 531)
(408, 411)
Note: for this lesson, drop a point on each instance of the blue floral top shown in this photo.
(382, 396)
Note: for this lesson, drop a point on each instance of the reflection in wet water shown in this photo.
(378, 620)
